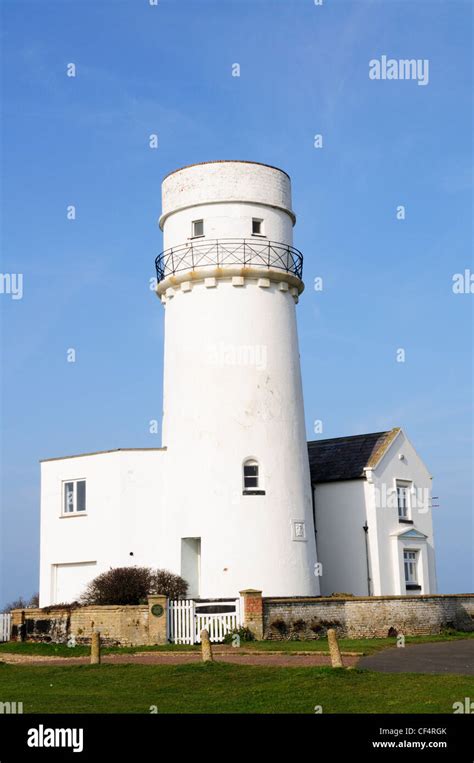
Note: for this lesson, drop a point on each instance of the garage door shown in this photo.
(69, 580)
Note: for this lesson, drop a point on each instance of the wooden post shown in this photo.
(336, 659)
(206, 647)
(95, 648)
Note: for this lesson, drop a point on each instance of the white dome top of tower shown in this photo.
(226, 181)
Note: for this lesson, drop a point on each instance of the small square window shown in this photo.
(197, 228)
(74, 496)
(257, 227)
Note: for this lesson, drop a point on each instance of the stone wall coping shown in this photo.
(110, 607)
(89, 608)
(339, 599)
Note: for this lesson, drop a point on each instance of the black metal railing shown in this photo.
(229, 251)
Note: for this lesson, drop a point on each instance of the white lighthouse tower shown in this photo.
(237, 494)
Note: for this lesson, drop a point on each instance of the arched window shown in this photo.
(252, 478)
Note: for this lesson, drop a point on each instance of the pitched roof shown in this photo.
(344, 458)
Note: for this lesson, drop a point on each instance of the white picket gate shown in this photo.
(5, 627)
(186, 621)
(181, 621)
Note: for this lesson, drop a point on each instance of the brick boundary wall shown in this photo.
(275, 618)
(118, 625)
(366, 617)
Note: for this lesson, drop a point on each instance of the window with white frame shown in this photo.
(257, 226)
(403, 499)
(197, 228)
(251, 475)
(251, 478)
(410, 563)
(74, 496)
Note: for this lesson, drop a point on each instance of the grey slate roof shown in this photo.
(344, 458)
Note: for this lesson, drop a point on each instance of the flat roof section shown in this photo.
(95, 453)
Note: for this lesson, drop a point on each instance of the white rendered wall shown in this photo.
(228, 220)
(67, 580)
(340, 509)
(217, 182)
(123, 515)
(232, 391)
(387, 558)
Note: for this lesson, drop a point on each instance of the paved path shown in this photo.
(437, 657)
(442, 657)
(280, 660)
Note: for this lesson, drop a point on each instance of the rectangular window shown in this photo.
(403, 499)
(197, 228)
(74, 496)
(410, 562)
(257, 227)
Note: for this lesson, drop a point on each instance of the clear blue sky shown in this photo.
(387, 283)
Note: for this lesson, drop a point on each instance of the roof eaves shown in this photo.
(379, 452)
(315, 483)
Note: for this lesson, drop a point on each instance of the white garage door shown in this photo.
(69, 580)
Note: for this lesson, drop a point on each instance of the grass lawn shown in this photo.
(63, 650)
(225, 688)
(362, 646)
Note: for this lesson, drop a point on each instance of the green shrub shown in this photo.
(132, 585)
(165, 582)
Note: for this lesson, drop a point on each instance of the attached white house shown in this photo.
(232, 499)
(373, 515)
(98, 510)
